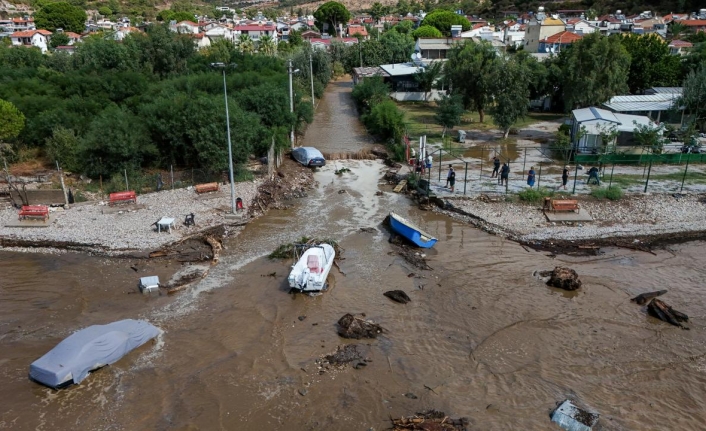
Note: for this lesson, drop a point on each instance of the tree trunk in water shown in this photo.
(481, 114)
(507, 132)
(443, 132)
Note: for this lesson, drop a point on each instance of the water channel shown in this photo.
(482, 337)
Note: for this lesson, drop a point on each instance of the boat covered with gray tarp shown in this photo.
(89, 349)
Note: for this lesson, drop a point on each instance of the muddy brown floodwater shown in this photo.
(482, 337)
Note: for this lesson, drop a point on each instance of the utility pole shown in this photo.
(291, 100)
(311, 72)
(230, 148)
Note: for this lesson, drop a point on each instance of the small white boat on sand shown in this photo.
(309, 273)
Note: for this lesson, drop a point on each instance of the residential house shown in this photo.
(432, 48)
(219, 32)
(540, 29)
(588, 124)
(514, 38)
(69, 49)
(653, 25)
(476, 30)
(360, 73)
(694, 25)
(679, 47)
(310, 34)
(580, 26)
(325, 43)
(609, 24)
(256, 30)
(23, 24)
(73, 37)
(357, 30)
(122, 32)
(571, 13)
(402, 80)
(184, 27)
(31, 38)
(660, 107)
(556, 42)
(201, 41)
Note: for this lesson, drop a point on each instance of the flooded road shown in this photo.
(482, 337)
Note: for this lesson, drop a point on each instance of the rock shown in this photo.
(564, 278)
(360, 365)
(642, 298)
(342, 356)
(350, 326)
(303, 392)
(411, 396)
(301, 318)
(397, 296)
(666, 313)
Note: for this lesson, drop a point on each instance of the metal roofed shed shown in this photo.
(659, 106)
(149, 284)
(401, 69)
(594, 121)
(89, 349)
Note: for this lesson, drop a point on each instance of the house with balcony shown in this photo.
(556, 42)
(256, 31)
(540, 29)
(433, 48)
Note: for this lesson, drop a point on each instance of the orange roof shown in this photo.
(357, 29)
(479, 25)
(563, 38)
(72, 35)
(44, 32)
(26, 33)
(681, 44)
(694, 22)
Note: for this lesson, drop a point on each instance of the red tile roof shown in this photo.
(44, 32)
(72, 35)
(693, 22)
(254, 28)
(563, 38)
(479, 25)
(357, 29)
(27, 33)
(681, 44)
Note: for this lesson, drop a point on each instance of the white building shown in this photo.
(31, 38)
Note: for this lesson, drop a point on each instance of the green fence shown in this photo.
(640, 159)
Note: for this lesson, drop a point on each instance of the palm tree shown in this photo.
(677, 29)
(267, 45)
(245, 44)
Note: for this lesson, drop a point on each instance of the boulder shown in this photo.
(397, 296)
(350, 326)
(564, 278)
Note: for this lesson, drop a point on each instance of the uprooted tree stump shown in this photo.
(350, 326)
(666, 313)
(397, 296)
(564, 278)
(431, 420)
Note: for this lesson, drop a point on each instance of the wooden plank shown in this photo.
(398, 188)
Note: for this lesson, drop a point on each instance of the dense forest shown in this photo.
(152, 101)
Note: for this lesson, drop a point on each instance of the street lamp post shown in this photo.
(311, 74)
(291, 71)
(223, 66)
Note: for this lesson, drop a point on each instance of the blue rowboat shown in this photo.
(408, 230)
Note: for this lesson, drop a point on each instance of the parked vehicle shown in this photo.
(308, 156)
(89, 349)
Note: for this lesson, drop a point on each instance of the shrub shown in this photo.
(612, 193)
(535, 195)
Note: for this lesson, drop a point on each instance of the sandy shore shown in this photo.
(95, 226)
(634, 215)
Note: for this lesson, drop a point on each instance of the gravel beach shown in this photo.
(115, 230)
(634, 215)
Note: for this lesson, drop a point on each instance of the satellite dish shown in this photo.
(546, 49)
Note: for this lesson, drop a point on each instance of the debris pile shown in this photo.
(430, 420)
(350, 326)
(642, 298)
(666, 313)
(572, 418)
(397, 296)
(291, 250)
(564, 278)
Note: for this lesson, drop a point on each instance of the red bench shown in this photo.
(123, 197)
(205, 188)
(34, 211)
(565, 205)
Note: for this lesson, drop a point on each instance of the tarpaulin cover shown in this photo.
(89, 349)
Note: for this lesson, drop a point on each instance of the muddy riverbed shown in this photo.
(482, 337)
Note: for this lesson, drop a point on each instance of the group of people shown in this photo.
(502, 174)
(421, 165)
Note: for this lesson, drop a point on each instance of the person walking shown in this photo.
(429, 161)
(448, 175)
(496, 167)
(565, 176)
(504, 174)
(593, 175)
(452, 178)
(530, 177)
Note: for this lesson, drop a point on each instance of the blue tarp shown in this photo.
(89, 349)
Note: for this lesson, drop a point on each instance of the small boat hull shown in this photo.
(411, 232)
(309, 273)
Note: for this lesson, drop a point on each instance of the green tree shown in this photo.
(397, 47)
(377, 11)
(593, 70)
(115, 140)
(471, 71)
(448, 112)
(105, 11)
(426, 31)
(12, 121)
(331, 13)
(245, 44)
(63, 146)
(651, 65)
(405, 27)
(266, 45)
(676, 29)
(182, 16)
(369, 93)
(59, 39)
(386, 121)
(650, 136)
(61, 15)
(444, 19)
(510, 88)
(693, 97)
(426, 77)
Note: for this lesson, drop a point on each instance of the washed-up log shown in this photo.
(564, 278)
(350, 326)
(666, 313)
(431, 420)
(642, 298)
(397, 296)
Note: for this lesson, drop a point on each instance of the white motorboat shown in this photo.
(310, 272)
